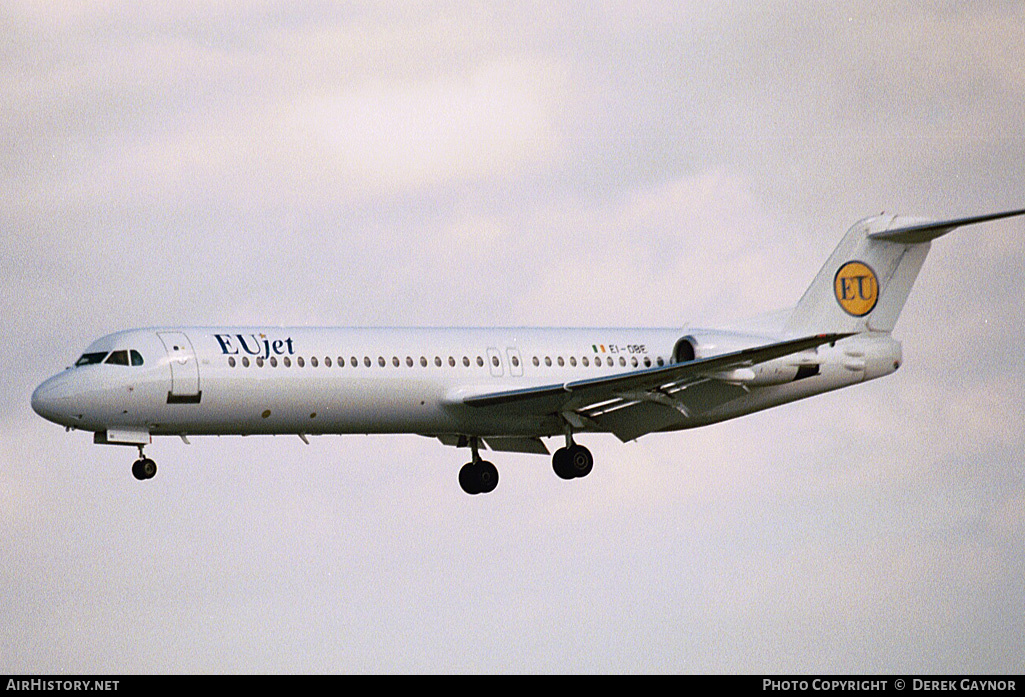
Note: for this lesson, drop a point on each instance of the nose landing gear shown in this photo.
(144, 468)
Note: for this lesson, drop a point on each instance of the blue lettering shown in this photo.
(245, 345)
(847, 286)
(263, 348)
(861, 287)
(225, 342)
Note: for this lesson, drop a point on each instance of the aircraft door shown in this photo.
(184, 368)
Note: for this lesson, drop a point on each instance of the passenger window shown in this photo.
(380, 361)
(437, 361)
(259, 361)
(494, 361)
(560, 361)
(647, 362)
(573, 361)
(287, 361)
(548, 361)
(245, 361)
(231, 361)
(466, 362)
(300, 362)
(633, 361)
(136, 357)
(451, 362)
(395, 361)
(597, 361)
(327, 361)
(585, 361)
(423, 361)
(117, 358)
(313, 361)
(480, 362)
(515, 362)
(273, 362)
(409, 362)
(536, 362)
(366, 361)
(622, 362)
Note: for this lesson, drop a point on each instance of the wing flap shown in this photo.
(655, 385)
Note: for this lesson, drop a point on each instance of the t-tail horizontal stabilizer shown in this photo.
(926, 231)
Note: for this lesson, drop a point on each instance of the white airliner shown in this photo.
(504, 389)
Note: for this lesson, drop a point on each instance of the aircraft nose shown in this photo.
(50, 398)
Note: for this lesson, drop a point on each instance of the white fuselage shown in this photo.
(277, 380)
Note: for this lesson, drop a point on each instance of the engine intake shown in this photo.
(701, 344)
(684, 350)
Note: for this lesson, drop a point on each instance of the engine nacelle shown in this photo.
(875, 355)
(706, 344)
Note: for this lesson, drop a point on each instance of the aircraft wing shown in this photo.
(613, 402)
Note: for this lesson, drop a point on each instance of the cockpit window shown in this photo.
(117, 358)
(91, 358)
(123, 357)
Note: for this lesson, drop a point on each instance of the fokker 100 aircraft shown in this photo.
(503, 389)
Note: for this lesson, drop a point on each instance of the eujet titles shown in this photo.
(503, 389)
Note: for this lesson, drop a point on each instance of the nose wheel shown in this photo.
(144, 468)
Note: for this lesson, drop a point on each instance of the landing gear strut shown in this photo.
(144, 468)
(478, 476)
(572, 461)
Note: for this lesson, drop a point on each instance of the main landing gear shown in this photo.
(572, 461)
(144, 468)
(481, 477)
(478, 476)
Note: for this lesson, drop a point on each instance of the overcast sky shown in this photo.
(555, 163)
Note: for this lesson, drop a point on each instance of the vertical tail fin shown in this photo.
(865, 283)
